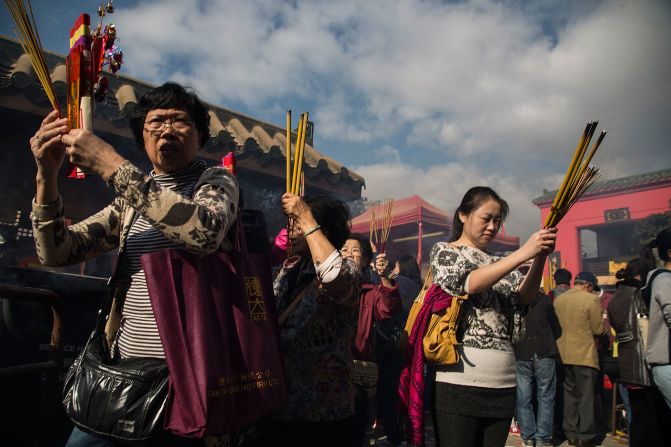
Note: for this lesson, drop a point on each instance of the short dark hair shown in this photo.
(407, 266)
(170, 96)
(562, 276)
(333, 217)
(366, 249)
(472, 200)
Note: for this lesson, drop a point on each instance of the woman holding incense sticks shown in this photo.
(180, 204)
(317, 293)
(475, 399)
(377, 302)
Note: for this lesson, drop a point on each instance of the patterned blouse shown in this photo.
(491, 320)
(166, 204)
(317, 336)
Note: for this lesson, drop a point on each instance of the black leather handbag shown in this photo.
(123, 399)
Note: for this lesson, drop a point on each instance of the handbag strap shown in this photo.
(455, 315)
(106, 305)
(427, 279)
(425, 287)
(287, 312)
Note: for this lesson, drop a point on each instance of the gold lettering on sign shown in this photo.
(243, 382)
(254, 291)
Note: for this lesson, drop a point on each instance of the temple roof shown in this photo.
(250, 138)
(621, 184)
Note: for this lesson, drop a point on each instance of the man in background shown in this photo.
(581, 319)
(536, 371)
(562, 279)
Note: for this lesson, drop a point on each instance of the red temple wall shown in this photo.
(591, 211)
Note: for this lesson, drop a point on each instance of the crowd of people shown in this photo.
(578, 335)
(342, 307)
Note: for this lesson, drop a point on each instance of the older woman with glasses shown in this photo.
(179, 204)
(377, 302)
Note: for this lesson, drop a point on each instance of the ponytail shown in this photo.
(457, 227)
(661, 244)
(648, 260)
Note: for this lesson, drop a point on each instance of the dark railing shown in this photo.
(601, 266)
(51, 368)
(598, 266)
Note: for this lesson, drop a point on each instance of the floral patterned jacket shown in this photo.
(198, 224)
(316, 339)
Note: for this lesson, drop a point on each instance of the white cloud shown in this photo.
(498, 91)
(388, 154)
(445, 185)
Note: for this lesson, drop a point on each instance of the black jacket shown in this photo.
(622, 314)
(542, 330)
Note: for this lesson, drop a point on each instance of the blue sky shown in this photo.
(420, 97)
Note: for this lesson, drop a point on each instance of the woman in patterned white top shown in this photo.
(179, 204)
(475, 399)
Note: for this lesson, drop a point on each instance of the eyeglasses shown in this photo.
(159, 124)
(350, 252)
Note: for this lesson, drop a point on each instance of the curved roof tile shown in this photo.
(615, 185)
(226, 126)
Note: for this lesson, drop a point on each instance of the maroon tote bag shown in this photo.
(217, 321)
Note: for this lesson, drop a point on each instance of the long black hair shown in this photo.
(473, 199)
(663, 244)
(170, 96)
(407, 266)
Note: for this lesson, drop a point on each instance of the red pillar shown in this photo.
(419, 243)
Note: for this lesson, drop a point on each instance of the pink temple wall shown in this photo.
(591, 211)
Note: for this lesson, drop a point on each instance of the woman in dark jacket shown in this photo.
(377, 302)
(622, 317)
(645, 401)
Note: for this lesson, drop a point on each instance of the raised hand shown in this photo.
(540, 243)
(47, 146)
(91, 154)
(381, 264)
(295, 208)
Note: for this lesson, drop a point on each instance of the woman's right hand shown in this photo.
(295, 208)
(381, 265)
(47, 147)
(540, 243)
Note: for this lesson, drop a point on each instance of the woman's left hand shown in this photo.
(547, 240)
(541, 243)
(91, 154)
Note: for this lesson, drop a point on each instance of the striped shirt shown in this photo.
(138, 335)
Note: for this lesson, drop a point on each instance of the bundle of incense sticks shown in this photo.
(30, 41)
(295, 181)
(579, 176)
(386, 215)
(373, 227)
